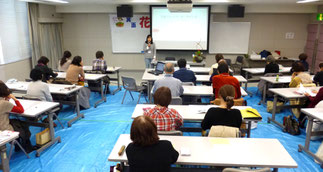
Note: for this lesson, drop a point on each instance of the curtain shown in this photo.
(33, 29)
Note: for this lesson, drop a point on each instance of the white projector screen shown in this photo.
(180, 30)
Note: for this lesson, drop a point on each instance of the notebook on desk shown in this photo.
(159, 69)
(250, 113)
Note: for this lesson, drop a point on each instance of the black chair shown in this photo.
(228, 61)
(237, 64)
(170, 59)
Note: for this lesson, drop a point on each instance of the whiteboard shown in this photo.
(129, 35)
(229, 37)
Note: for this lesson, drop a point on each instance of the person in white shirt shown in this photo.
(218, 57)
(37, 88)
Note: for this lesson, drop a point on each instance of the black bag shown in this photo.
(291, 125)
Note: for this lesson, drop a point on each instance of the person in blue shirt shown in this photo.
(184, 74)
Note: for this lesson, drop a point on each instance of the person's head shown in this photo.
(270, 59)
(321, 66)
(163, 96)
(226, 94)
(181, 63)
(66, 55)
(143, 131)
(218, 57)
(4, 90)
(77, 61)
(302, 56)
(169, 68)
(223, 68)
(99, 55)
(43, 60)
(36, 74)
(149, 39)
(298, 67)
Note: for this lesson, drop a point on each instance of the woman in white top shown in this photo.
(218, 57)
(37, 88)
(65, 62)
(149, 51)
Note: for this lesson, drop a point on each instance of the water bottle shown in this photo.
(277, 78)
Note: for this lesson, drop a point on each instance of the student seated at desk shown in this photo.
(184, 74)
(37, 88)
(65, 62)
(165, 118)
(299, 76)
(75, 72)
(302, 59)
(218, 57)
(271, 66)
(318, 78)
(147, 153)
(13, 124)
(46, 71)
(223, 115)
(99, 64)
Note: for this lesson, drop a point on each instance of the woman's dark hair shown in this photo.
(298, 67)
(223, 68)
(147, 39)
(218, 57)
(66, 55)
(181, 63)
(321, 65)
(227, 93)
(43, 60)
(99, 54)
(143, 131)
(36, 74)
(302, 56)
(162, 96)
(4, 90)
(77, 60)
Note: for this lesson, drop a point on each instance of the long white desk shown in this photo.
(201, 90)
(312, 113)
(191, 113)
(191, 63)
(286, 93)
(225, 152)
(112, 70)
(91, 77)
(4, 139)
(59, 89)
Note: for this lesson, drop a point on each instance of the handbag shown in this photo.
(270, 106)
(291, 125)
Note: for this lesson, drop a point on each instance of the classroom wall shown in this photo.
(19, 70)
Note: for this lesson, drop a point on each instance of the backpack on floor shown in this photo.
(291, 125)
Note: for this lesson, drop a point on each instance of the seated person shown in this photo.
(299, 76)
(174, 84)
(13, 124)
(147, 153)
(318, 78)
(65, 62)
(218, 57)
(165, 118)
(313, 101)
(37, 88)
(302, 58)
(99, 64)
(184, 74)
(271, 66)
(75, 72)
(215, 70)
(223, 115)
(46, 71)
(223, 79)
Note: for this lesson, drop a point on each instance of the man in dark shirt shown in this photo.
(183, 74)
(318, 78)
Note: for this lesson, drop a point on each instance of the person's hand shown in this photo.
(307, 95)
(149, 44)
(81, 78)
(12, 97)
(293, 75)
(314, 91)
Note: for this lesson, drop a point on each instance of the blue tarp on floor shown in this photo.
(87, 144)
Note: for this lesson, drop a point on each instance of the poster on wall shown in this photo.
(128, 34)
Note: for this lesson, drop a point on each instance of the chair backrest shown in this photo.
(172, 133)
(129, 83)
(228, 61)
(188, 83)
(170, 59)
(176, 101)
(28, 97)
(224, 131)
(243, 170)
(236, 102)
(239, 59)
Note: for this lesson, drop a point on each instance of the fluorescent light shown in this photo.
(47, 1)
(306, 1)
(145, 1)
(217, 1)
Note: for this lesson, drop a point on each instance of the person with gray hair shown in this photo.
(271, 66)
(175, 85)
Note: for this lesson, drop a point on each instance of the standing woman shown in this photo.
(75, 72)
(65, 62)
(149, 51)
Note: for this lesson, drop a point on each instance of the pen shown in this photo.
(121, 150)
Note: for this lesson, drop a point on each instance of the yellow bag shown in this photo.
(270, 106)
(43, 137)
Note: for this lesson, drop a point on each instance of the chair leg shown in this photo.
(124, 95)
(146, 99)
(139, 97)
(58, 120)
(18, 144)
(131, 96)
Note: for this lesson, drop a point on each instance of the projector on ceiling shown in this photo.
(179, 5)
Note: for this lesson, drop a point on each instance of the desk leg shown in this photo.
(118, 81)
(149, 85)
(275, 170)
(246, 84)
(78, 113)
(273, 119)
(249, 129)
(103, 96)
(264, 94)
(4, 159)
(52, 135)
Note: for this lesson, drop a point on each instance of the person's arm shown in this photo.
(181, 89)
(144, 49)
(239, 120)
(105, 65)
(266, 69)
(154, 51)
(319, 96)
(316, 77)
(47, 94)
(178, 120)
(206, 122)
(194, 77)
(237, 85)
(82, 72)
(51, 73)
(174, 153)
(18, 108)
(294, 82)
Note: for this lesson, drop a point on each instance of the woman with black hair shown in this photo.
(65, 62)
(149, 51)
(46, 71)
(75, 72)
(37, 88)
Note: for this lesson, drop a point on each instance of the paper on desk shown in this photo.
(219, 141)
(185, 151)
(6, 134)
(284, 79)
(303, 90)
(199, 108)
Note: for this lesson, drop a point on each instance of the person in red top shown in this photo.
(13, 124)
(225, 79)
(165, 118)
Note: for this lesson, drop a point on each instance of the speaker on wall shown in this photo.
(124, 11)
(235, 11)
